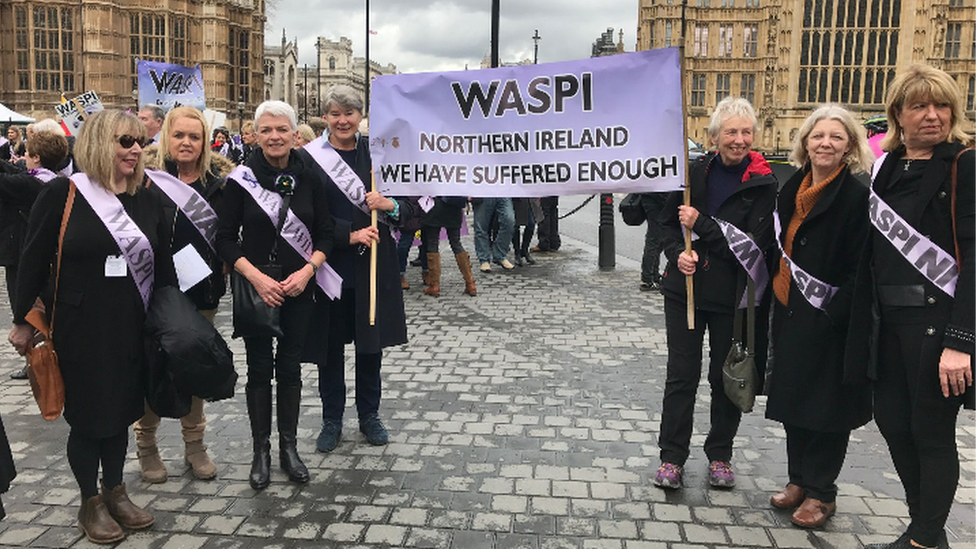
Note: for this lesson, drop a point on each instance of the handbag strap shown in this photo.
(34, 317)
(750, 287)
(952, 206)
(282, 214)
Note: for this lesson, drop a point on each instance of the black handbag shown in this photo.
(739, 376)
(458, 202)
(632, 210)
(252, 316)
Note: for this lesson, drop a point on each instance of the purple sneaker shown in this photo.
(720, 474)
(668, 476)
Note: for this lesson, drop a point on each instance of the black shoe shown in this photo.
(648, 286)
(903, 542)
(329, 436)
(416, 262)
(19, 374)
(518, 261)
(372, 427)
(528, 257)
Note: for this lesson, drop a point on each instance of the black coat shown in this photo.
(806, 387)
(18, 190)
(391, 325)
(748, 208)
(98, 320)
(932, 217)
(442, 215)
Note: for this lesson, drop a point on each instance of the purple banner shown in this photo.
(601, 125)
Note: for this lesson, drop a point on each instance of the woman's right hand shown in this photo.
(687, 263)
(365, 236)
(20, 337)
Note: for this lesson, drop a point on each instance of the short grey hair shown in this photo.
(276, 108)
(727, 108)
(48, 125)
(858, 159)
(344, 97)
(156, 110)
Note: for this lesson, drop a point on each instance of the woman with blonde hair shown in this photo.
(98, 309)
(305, 135)
(912, 322)
(821, 224)
(195, 175)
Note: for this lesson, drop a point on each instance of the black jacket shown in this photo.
(806, 386)
(748, 208)
(954, 317)
(18, 190)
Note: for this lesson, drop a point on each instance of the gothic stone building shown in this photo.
(788, 56)
(281, 72)
(53, 46)
(335, 64)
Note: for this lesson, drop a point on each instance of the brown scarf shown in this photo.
(806, 198)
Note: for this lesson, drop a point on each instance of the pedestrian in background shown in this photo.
(527, 210)
(485, 248)
(911, 331)
(652, 203)
(152, 117)
(305, 135)
(183, 153)
(823, 214)
(732, 186)
(247, 238)
(14, 147)
(548, 226)
(249, 141)
(447, 213)
(346, 320)
(99, 307)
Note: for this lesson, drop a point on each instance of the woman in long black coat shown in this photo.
(98, 312)
(823, 213)
(346, 320)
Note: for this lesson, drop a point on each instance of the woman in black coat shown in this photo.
(823, 214)
(734, 186)
(448, 212)
(910, 330)
(99, 307)
(247, 239)
(346, 320)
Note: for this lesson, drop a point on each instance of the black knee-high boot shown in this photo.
(289, 399)
(516, 247)
(259, 413)
(526, 240)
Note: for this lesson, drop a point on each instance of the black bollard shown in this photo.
(608, 250)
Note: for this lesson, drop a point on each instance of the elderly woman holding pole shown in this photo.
(822, 223)
(345, 158)
(912, 321)
(732, 193)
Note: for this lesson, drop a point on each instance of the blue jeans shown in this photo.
(483, 212)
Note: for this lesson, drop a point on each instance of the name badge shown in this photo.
(115, 266)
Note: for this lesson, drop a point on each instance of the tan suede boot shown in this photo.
(96, 523)
(434, 275)
(464, 264)
(196, 457)
(122, 509)
(153, 469)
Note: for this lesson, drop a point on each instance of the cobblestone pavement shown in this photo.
(526, 417)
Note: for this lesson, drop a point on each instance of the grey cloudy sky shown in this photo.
(442, 35)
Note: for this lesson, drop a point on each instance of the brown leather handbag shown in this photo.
(42, 362)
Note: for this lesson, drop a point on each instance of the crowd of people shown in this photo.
(850, 325)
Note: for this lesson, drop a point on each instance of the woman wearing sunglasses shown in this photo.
(101, 291)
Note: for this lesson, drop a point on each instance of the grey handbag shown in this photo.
(739, 375)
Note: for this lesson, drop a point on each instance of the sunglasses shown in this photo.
(127, 141)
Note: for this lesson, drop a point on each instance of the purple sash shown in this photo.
(135, 247)
(193, 206)
(294, 232)
(749, 255)
(44, 174)
(817, 292)
(344, 177)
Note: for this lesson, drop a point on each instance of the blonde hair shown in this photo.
(203, 161)
(923, 82)
(95, 148)
(858, 159)
(306, 132)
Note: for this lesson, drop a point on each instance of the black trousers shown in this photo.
(282, 363)
(85, 454)
(653, 237)
(815, 460)
(684, 373)
(549, 227)
(431, 237)
(332, 373)
(919, 425)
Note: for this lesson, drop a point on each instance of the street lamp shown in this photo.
(779, 135)
(240, 114)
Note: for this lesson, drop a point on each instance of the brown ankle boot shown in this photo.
(196, 457)
(122, 509)
(404, 285)
(464, 264)
(153, 469)
(433, 275)
(96, 523)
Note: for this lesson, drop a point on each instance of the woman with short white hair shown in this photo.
(258, 196)
(732, 189)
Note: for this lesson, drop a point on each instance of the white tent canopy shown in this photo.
(7, 115)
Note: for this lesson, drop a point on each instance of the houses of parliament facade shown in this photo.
(52, 46)
(787, 56)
